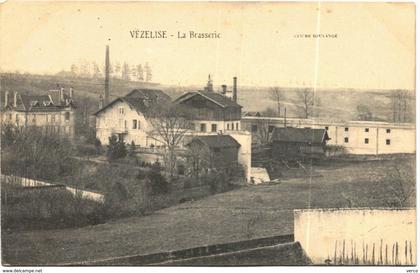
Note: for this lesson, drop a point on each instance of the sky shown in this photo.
(374, 46)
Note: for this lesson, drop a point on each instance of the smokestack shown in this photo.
(15, 99)
(6, 98)
(71, 93)
(235, 91)
(224, 90)
(106, 95)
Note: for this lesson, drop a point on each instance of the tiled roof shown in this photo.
(217, 98)
(306, 135)
(217, 141)
(141, 100)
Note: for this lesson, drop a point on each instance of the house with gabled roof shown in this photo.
(298, 143)
(129, 117)
(212, 112)
(53, 111)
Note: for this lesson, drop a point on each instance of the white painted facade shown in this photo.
(356, 137)
(123, 120)
(216, 126)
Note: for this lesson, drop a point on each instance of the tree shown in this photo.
(132, 149)
(96, 72)
(117, 70)
(116, 148)
(401, 104)
(169, 126)
(125, 72)
(74, 70)
(269, 112)
(364, 113)
(140, 72)
(277, 96)
(148, 72)
(306, 101)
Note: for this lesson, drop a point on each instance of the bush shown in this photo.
(116, 148)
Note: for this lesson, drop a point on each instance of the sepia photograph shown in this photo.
(207, 134)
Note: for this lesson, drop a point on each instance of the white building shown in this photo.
(356, 137)
(129, 117)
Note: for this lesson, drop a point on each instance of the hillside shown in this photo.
(335, 104)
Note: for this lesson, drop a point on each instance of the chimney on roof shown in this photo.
(235, 91)
(15, 99)
(62, 94)
(71, 93)
(101, 102)
(6, 98)
(107, 75)
(224, 90)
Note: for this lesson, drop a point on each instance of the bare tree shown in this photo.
(401, 104)
(401, 185)
(277, 96)
(169, 126)
(306, 101)
(364, 113)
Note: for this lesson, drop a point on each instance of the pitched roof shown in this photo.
(217, 98)
(306, 135)
(141, 100)
(149, 94)
(217, 141)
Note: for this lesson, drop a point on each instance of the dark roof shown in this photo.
(306, 135)
(252, 114)
(217, 98)
(217, 141)
(141, 100)
(149, 94)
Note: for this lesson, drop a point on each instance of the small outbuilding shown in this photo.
(298, 143)
(218, 151)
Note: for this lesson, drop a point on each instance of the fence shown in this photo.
(32, 183)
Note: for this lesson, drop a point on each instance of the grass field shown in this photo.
(250, 212)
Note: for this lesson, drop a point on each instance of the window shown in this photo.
(121, 110)
(254, 128)
(326, 128)
(10, 116)
(214, 127)
(125, 124)
(346, 140)
(17, 119)
(237, 126)
(52, 118)
(366, 141)
(134, 124)
(388, 142)
(67, 116)
(33, 118)
(202, 127)
(388, 131)
(46, 118)
(366, 130)
(138, 124)
(346, 129)
(228, 126)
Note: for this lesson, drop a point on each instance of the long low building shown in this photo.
(355, 137)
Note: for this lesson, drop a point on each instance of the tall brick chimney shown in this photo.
(106, 94)
(235, 91)
(6, 98)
